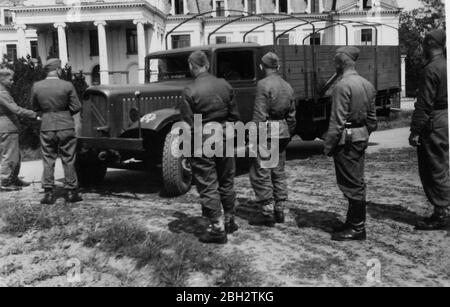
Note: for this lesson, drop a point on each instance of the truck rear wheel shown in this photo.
(90, 170)
(176, 171)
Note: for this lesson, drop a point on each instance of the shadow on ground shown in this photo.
(395, 213)
(130, 182)
(195, 225)
(322, 220)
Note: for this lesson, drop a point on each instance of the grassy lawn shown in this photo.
(126, 234)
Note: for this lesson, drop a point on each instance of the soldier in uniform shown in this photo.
(353, 119)
(9, 134)
(429, 131)
(213, 98)
(274, 102)
(57, 100)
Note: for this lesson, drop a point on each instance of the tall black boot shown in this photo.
(356, 222)
(230, 224)
(215, 234)
(440, 220)
(350, 213)
(49, 197)
(73, 197)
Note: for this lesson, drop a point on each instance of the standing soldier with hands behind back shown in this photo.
(9, 134)
(58, 102)
(429, 131)
(213, 98)
(353, 119)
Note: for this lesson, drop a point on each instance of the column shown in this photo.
(227, 7)
(103, 52)
(142, 50)
(309, 7)
(2, 17)
(321, 9)
(277, 6)
(246, 6)
(62, 43)
(258, 6)
(185, 6)
(361, 4)
(403, 68)
(22, 41)
(172, 7)
(290, 9)
(214, 8)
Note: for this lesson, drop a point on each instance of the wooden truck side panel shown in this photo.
(380, 65)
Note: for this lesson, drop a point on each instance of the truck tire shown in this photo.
(90, 170)
(177, 175)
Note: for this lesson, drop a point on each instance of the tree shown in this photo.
(413, 27)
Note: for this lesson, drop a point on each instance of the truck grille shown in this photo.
(148, 105)
(95, 115)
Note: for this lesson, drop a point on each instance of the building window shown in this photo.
(283, 40)
(283, 6)
(252, 6)
(132, 47)
(95, 75)
(54, 49)
(221, 39)
(8, 18)
(181, 41)
(220, 8)
(11, 52)
(315, 39)
(367, 4)
(366, 37)
(314, 6)
(93, 41)
(179, 6)
(34, 49)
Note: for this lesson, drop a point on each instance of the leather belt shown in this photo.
(356, 126)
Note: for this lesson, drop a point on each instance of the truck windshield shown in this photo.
(168, 67)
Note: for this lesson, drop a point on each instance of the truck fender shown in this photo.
(158, 120)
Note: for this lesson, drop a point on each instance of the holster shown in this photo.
(348, 137)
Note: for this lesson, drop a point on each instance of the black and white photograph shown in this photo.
(224, 149)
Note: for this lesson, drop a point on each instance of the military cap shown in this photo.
(439, 36)
(52, 64)
(270, 60)
(350, 51)
(199, 58)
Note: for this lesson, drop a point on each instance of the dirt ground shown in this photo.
(298, 253)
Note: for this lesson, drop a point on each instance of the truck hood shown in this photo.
(158, 89)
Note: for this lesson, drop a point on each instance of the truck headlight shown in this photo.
(134, 115)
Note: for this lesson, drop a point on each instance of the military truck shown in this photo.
(129, 126)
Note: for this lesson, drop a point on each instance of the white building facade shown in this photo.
(108, 40)
(8, 34)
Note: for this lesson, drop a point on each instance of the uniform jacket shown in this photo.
(432, 93)
(275, 102)
(353, 101)
(211, 97)
(58, 102)
(9, 112)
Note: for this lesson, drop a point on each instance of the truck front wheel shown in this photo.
(176, 171)
(90, 170)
